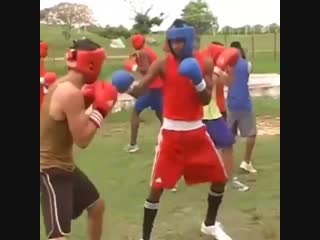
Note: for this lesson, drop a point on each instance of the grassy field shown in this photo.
(123, 179)
(263, 59)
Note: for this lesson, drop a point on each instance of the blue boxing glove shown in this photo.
(122, 80)
(190, 68)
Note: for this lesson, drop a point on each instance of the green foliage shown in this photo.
(198, 14)
(110, 32)
(144, 23)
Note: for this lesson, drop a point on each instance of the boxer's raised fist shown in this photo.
(105, 96)
(47, 80)
(130, 65)
(214, 51)
(88, 94)
(122, 80)
(190, 68)
(228, 58)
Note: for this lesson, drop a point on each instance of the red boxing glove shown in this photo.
(228, 58)
(105, 96)
(214, 51)
(47, 80)
(130, 65)
(88, 94)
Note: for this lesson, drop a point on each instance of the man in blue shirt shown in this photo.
(241, 116)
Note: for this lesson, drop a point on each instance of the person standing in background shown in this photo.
(241, 116)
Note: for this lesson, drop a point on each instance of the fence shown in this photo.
(254, 44)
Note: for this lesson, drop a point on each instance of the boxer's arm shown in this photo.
(143, 62)
(225, 79)
(206, 94)
(81, 128)
(140, 86)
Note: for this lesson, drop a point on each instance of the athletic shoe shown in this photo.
(247, 167)
(133, 149)
(174, 189)
(236, 184)
(216, 231)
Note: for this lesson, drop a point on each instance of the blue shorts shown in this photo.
(152, 98)
(219, 132)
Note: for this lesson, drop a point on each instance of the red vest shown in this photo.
(180, 99)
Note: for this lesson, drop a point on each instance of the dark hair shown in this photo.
(217, 43)
(85, 44)
(178, 23)
(237, 44)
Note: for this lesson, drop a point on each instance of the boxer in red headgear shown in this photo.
(66, 190)
(43, 55)
(184, 147)
(152, 98)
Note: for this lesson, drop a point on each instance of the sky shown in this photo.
(234, 13)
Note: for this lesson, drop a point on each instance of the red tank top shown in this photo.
(180, 99)
(157, 83)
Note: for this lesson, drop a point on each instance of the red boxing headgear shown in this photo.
(88, 63)
(43, 49)
(137, 41)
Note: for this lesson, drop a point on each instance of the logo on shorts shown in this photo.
(158, 180)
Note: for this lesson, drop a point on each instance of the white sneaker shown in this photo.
(247, 167)
(133, 149)
(174, 189)
(236, 184)
(216, 231)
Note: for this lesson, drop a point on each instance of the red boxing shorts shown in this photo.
(190, 154)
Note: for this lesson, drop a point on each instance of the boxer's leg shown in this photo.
(57, 203)
(86, 197)
(248, 130)
(141, 104)
(165, 173)
(205, 165)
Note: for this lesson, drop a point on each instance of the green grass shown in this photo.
(263, 59)
(123, 180)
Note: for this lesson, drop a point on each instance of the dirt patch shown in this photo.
(268, 126)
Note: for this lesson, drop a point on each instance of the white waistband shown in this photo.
(178, 125)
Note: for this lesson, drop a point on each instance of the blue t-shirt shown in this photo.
(238, 98)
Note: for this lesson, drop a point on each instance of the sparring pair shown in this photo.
(46, 78)
(184, 146)
(139, 63)
(66, 190)
(215, 116)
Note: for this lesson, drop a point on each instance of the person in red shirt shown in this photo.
(184, 146)
(43, 55)
(152, 98)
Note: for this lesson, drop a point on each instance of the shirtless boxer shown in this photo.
(66, 190)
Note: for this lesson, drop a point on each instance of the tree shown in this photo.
(227, 30)
(258, 28)
(274, 27)
(69, 16)
(198, 14)
(44, 13)
(143, 21)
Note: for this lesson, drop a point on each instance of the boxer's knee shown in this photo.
(97, 209)
(155, 195)
(217, 187)
(135, 117)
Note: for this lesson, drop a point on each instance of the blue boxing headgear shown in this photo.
(185, 33)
